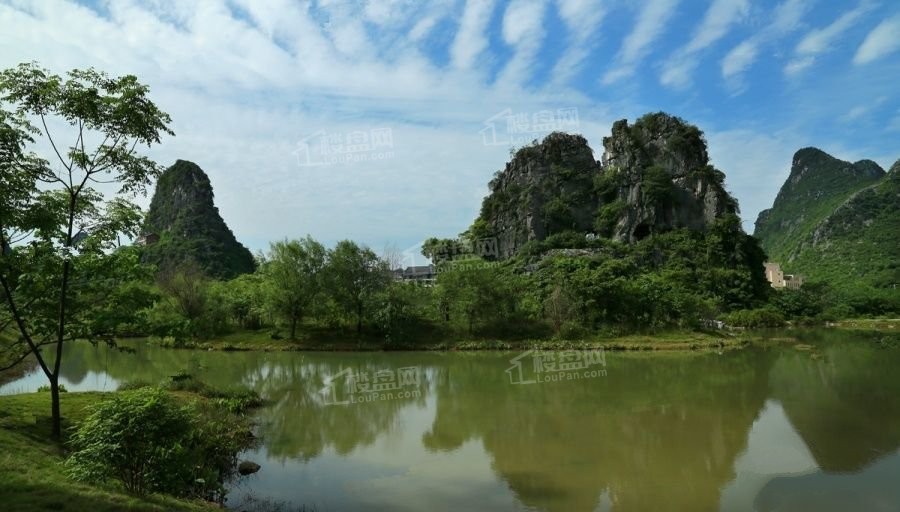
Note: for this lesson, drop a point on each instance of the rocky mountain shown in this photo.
(654, 176)
(836, 221)
(184, 216)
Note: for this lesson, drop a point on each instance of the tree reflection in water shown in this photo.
(659, 431)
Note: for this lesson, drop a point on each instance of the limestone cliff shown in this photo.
(653, 176)
(183, 214)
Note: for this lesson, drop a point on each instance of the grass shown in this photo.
(669, 340)
(869, 324)
(32, 477)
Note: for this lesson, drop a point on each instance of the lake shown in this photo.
(759, 429)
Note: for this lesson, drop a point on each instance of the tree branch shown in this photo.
(49, 137)
(20, 323)
(75, 146)
(16, 362)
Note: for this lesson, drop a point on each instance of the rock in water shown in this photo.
(248, 468)
(190, 228)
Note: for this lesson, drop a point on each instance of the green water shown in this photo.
(758, 429)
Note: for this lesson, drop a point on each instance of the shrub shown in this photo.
(151, 442)
(235, 400)
(131, 385)
(46, 389)
(754, 318)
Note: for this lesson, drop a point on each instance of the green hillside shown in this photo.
(835, 221)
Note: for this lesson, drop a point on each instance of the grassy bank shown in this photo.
(868, 324)
(671, 340)
(32, 476)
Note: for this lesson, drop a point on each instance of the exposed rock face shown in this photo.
(545, 188)
(662, 147)
(183, 213)
(835, 221)
(653, 177)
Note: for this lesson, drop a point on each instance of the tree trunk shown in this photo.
(294, 328)
(359, 314)
(54, 401)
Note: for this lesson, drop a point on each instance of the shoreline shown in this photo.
(681, 341)
(670, 341)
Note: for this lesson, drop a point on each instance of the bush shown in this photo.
(572, 330)
(46, 389)
(132, 385)
(235, 401)
(754, 318)
(172, 342)
(150, 442)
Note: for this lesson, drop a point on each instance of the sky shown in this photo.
(382, 121)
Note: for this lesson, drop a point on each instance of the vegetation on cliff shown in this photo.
(191, 230)
(654, 177)
(836, 222)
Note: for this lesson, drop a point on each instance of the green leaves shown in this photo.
(117, 109)
(151, 442)
(294, 272)
(57, 233)
(113, 106)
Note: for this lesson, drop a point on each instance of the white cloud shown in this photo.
(798, 65)
(819, 41)
(521, 20)
(523, 30)
(651, 22)
(739, 58)
(719, 17)
(785, 19)
(860, 111)
(422, 28)
(387, 12)
(243, 85)
(881, 41)
(582, 18)
(242, 91)
(471, 39)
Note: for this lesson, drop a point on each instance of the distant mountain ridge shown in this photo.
(183, 213)
(835, 221)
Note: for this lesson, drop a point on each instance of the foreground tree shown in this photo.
(294, 275)
(59, 234)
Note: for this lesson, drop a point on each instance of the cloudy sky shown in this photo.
(383, 120)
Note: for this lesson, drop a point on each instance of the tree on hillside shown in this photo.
(57, 232)
(294, 275)
(558, 308)
(355, 276)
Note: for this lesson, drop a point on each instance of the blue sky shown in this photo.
(366, 119)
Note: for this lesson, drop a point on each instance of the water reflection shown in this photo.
(761, 429)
